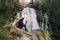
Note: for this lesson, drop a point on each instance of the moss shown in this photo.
(6, 12)
(42, 33)
(5, 35)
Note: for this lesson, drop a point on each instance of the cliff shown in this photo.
(19, 34)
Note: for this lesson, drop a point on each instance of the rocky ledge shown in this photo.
(19, 34)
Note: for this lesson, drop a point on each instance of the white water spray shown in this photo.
(30, 20)
(44, 21)
(29, 15)
(17, 19)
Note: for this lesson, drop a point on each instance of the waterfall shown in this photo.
(44, 20)
(30, 20)
(17, 19)
(29, 15)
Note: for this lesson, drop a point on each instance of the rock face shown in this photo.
(24, 2)
(24, 35)
(27, 36)
(19, 34)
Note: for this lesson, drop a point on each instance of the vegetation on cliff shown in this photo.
(7, 10)
(54, 16)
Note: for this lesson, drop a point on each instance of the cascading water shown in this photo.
(29, 15)
(44, 20)
(17, 19)
(30, 20)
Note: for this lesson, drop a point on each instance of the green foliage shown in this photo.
(54, 15)
(5, 17)
(42, 32)
(5, 35)
(36, 6)
(7, 9)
